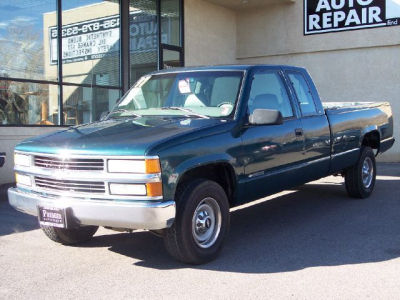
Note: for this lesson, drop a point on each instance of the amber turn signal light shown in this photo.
(154, 189)
(153, 166)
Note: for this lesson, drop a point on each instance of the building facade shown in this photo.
(54, 76)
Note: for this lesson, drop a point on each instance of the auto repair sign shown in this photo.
(321, 16)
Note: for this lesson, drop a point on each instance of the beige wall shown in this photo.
(278, 29)
(210, 34)
(9, 137)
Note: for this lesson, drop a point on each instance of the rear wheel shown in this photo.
(201, 223)
(69, 236)
(360, 179)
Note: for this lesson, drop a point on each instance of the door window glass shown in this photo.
(269, 92)
(303, 94)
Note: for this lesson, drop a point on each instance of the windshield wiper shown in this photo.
(123, 110)
(186, 110)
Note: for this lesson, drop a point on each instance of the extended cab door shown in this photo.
(269, 151)
(316, 152)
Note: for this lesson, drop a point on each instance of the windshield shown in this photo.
(198, 94)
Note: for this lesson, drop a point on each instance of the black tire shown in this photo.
(358, 183)
(196, 203)
(69, 236)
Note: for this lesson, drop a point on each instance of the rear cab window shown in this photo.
(303, 93)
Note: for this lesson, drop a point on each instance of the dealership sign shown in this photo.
(97, 38)
(322, 16)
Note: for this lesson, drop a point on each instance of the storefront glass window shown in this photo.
(90, 58)
(170, 22)
(27, 103)
(23, 39)
(143, 38)
(171, 59)
(90, 43)
(31, 92)
(86, 104)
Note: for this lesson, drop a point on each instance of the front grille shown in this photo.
(94, 187)
(82, 164)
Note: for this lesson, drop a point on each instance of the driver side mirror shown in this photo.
(266, 117)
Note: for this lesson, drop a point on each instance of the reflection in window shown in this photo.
(23, 41)
(170, 27)
(90, 49)
(143, 38)
(86, 104)
(171, 59)
(26, 103)
(90, 56)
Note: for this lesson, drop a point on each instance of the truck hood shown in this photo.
(125, 136)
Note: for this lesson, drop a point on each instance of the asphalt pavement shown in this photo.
(311, 242)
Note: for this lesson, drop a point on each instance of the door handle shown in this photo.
(298, 131)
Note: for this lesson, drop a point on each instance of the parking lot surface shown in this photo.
(311, 242)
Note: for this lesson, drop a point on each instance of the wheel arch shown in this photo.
(371, 138)
(221, 172)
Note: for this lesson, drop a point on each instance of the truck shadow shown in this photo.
(12, 221)
(314, 225)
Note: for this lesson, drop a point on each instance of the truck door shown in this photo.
(269, 151)
(316, 152)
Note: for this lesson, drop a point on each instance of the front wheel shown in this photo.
(360, 179)
(201, 222)
(69, 236)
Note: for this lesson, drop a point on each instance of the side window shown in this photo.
(269, 92)
(303, 94)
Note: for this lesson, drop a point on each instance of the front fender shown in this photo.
(172, 177)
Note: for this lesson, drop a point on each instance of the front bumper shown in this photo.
(149, 215)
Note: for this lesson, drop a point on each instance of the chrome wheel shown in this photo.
(367, 172)
(206, 223)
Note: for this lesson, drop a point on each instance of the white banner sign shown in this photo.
(322, 16)
(94, 39)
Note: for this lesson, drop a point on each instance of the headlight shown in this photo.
(23, 179)
(22, 160)
(128, 189)
(145, 166)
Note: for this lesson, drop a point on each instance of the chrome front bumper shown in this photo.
(150, 215)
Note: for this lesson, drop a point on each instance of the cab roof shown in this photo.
(224, 68)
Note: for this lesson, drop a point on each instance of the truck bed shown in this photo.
(345, 106)
(350, 121)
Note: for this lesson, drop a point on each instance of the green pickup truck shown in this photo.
(183, 146)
